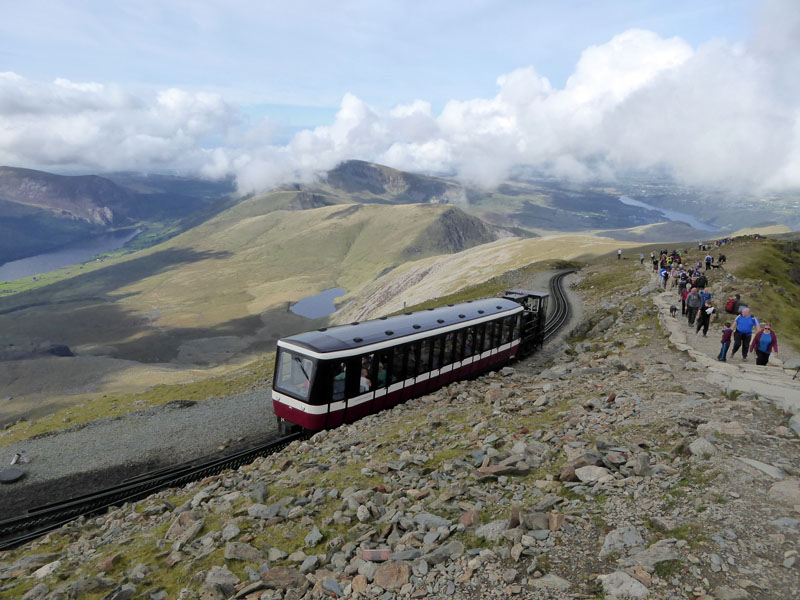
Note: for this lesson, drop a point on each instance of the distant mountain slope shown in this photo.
(221, 289)
(40, 211)
(670, 231)
(89, 198)
(371, 182)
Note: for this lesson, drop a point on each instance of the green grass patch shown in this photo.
(668, 568)
(492, 287)
(777, 265)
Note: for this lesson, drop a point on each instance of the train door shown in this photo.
(437, 347)
(448, 358)
(477, 350)
(361, 391)
(382, 379)
(410, 375)
(338, 374)
(423, 380)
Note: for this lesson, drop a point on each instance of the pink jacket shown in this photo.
(773, 346)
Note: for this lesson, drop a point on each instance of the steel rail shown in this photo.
(42, 519)
(562, 309)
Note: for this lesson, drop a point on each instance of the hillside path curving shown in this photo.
(772, 381)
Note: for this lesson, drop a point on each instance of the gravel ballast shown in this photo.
(107, 451)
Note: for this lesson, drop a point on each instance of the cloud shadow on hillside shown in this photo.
(97, 285)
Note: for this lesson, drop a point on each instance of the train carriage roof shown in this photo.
(357, 335)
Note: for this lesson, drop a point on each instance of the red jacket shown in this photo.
(773, 346)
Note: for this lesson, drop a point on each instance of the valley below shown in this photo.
(202, 309)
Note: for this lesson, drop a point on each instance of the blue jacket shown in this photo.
(745, 324)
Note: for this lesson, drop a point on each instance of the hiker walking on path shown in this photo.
(764, 343)
(693, 303)
(619, 254)
(664, 277)
(641, 258)
(743, 326)
(727, 332)
(684, 294)
(705, 315)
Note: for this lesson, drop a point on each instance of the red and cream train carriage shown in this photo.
(336, 375)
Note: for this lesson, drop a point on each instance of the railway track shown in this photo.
(40, 520)
(561, 308)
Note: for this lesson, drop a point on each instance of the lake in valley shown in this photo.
(318, 305)
(69, 255)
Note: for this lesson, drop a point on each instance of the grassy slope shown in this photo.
(418, 281)
(770, 272)
(214, 278)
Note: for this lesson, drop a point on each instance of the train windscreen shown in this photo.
(294, 374)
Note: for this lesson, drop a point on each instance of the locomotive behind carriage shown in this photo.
(337, 375)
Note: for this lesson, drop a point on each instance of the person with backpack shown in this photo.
(705, 315)
(732, 305)
(702, 281)
(743, 326)
(693, 303)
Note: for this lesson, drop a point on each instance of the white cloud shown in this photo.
(718, 114)
(92, 126)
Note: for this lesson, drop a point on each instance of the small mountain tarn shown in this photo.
(318, 305)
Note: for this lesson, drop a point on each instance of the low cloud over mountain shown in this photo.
(717, 114)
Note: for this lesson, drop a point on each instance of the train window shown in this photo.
(507, 327)
(497, 339)
(339, 374)
(424, 357)
(458, 346)
(487, 336)
(398, 364)
(517, 320)
(469, 342)
(436, 357)
(366, 376)
(294, 374)
(479, 332)
(384, 363)
(447, 356)
(412, 350)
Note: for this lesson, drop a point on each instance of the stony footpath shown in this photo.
(618, 470)
(773, 381)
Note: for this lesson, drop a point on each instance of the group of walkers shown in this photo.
(745, 331)
(748, 333)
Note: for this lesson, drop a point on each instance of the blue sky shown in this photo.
(272, 56)
(270, 92)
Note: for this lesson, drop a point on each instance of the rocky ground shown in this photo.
(627, 467)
